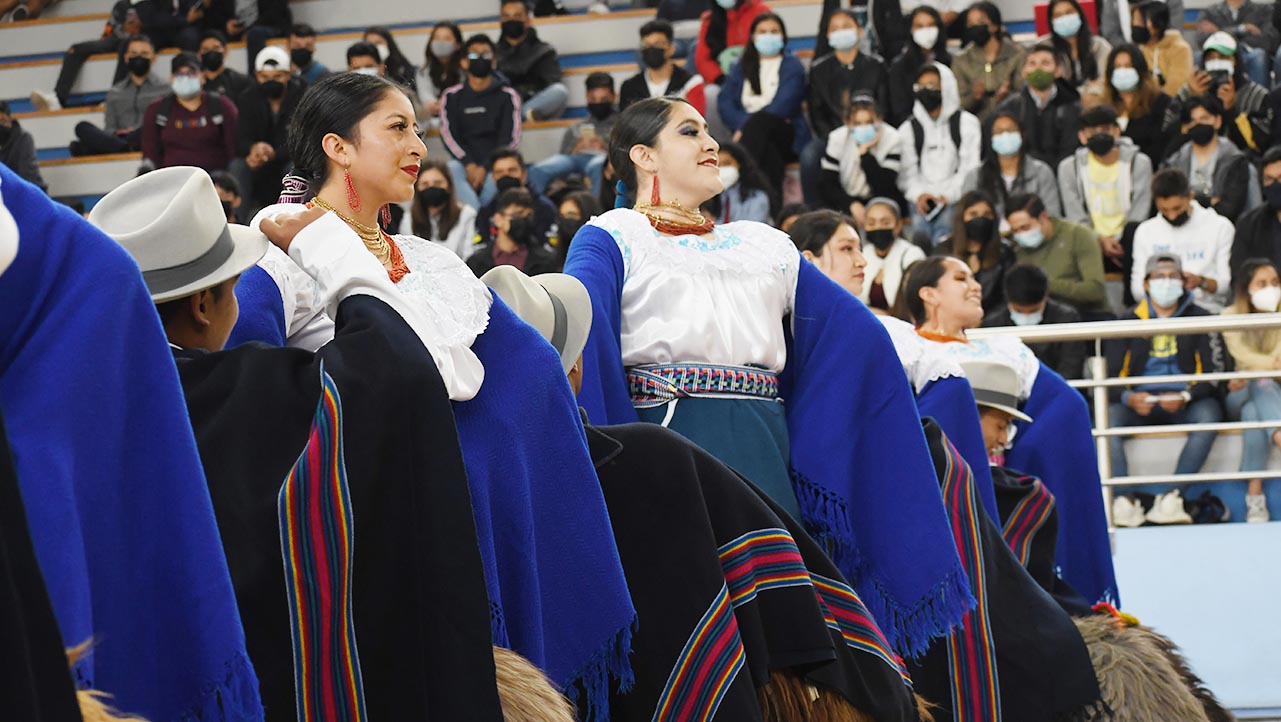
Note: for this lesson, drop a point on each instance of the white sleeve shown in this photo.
(307, 326)
(1222, 261)
(331, 253)
(1142, 249)
(910, 175)
(967, 156)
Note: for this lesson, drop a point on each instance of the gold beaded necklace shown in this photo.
(372, 236)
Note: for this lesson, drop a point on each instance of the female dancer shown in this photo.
(690, 329)
(355, 148)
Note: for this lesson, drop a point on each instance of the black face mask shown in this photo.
(1272, 195)
(273, 89)
(518, 229)
(600, 111)
(433, 198)
(567, 228)
(881, 238)
(138, 66)
(654, 58)
(1201, 134)
(930, 98)
(300, 57)
(1179, 219)
(978, 34)
(211, 60)
(1140, 34)
(480, 67)
(1100, 143)
(979, 229)
(6, 131)
(513, 29)
(507, 183)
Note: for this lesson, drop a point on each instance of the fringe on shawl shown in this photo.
(233, 699)
(591, 683)
(910, 630)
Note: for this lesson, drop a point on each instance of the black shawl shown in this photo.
(727, 587)
(418, 606)
(35, 680)
(1042, 669)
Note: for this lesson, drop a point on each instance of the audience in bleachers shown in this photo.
(364, 57)
(1048, 108)
(1082, 54)
(940, 146)
(660, 75)
(302, 52)
(583, 146)
(928, 44)
(442, 69)
(861, 160)
(1028, 303)
(1247, 115)
(1142, 110)
(437, 214)
(228, 194)
(1068, 253)
(888, 254)
(531, 65)
(576, 208)
(1201, 238)
(1166, 52)
(125, 104)
(1258, 232)
(253, 21)
(398, 67)
(515, 240)
(189, 127)
(748, 194)
(1115, 19)
(1007, 168)
(122, 24)
(976, 240)
(262, 130)
(476, 118)
(213, 66)
(725, 33)
(508, 169)
(18, 148)
(1250, 24)
(1217, 170)
(989, 69)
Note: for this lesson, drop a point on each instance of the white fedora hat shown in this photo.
(556, 305)
(996, 386)
(172, 223)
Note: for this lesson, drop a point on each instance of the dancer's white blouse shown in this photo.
(1007, 350)
(688, 299)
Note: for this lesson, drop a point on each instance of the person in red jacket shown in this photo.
(725, 31)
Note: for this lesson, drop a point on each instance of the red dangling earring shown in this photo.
(353, 198)
(384, 214)
(653, 196)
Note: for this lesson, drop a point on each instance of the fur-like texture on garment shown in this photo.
(788, 698)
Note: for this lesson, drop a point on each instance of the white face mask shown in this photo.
(729, 175)
(925, 37)
(366, 71)
(185, 86)
(1266, 299)
(382, 51)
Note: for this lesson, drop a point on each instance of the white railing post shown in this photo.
(1098, 371)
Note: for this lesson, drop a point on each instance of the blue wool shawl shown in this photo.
(119, 509)
(262, 311)
(860, 465)
(1059, 448)
(950, 402)
(556, 586)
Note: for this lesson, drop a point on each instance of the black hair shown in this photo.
(751, 60)
(184, 59)
(813, 230)
(1170, 183)
(138, 38)
(302, 30)
(989, 176)
(716, 39)
(1029, 203)
(1098, 116)
(514, 197)
(925, 273)
(640, 124)
(1156, 13)
(1026, 284)
(1044, 48)
(788, 211)
(588, 204)
(225, 181)
(502, 153)
(992, 12)
(167, 310)
(600, 79)
(448, 73)
(335, 104)
(398, 66)
(915, 55)
(925, 69)
(658, 26)
(990, 255)
(1270, 156)
(419, 219)
(72, 202)
(1207, 102)
(862, 101)
(1146, 92)
(504, 3)
(363, 49)
(1244, 275)
(478, 39)
(750, 177)
(841, 11)
(4, 108)
(1084, 43)
(215, 34)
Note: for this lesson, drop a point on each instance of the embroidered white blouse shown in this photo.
(688, 299)
(1008, 350)
(922, 360)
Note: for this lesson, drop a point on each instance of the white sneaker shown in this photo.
(1168, 509)
(1256, 509)
(1126, 512)
(44, 100)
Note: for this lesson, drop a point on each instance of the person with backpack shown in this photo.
(940, 146)
(189, 126)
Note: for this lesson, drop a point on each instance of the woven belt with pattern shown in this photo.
(657, 384)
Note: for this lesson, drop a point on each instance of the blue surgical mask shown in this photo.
(1066, 26)
(185, 86)
(768, 44)
(1031, 238)
(727, 4)
(1165, 292)
(1026, 319)
(863, 133)
(843, 39)
(1125, 79)
(1007, 143)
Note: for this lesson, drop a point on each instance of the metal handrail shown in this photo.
(1216, 427)
(1197, 478)
(1176, 378)
(1131, 328)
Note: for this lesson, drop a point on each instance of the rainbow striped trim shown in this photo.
(845, 612)
(705, 668)
(1027, 518)
(971, 651)
(316, 540)
(657, 384)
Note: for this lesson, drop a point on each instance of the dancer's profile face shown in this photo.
(686, 158)
(957, 298)
(387, 152)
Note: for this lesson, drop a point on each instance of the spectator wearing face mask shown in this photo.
(1164, 48)
(660, 75)
(189, 127)
(442, 70)
(364, 58)
(928, 44)
(1142, 110)
(1218, 171)
(1201, 238)
(987, 71)
(437, 215)
(1028, 303)
(1258, 232)
(228, 194)
(515, 241)
(1082, 54)
(1250, 24)
(125, 104)
(1246, 112)
(18, 148)
(1048, 108)
(583, 146)
(478, 117)
(575, 210)
(976, 240)
(262, 131)
(1116, 24)
(888, 254)
(862, 159)
(1068, 253)
(1007, 168)
(302, 54)
(747, 196)
(122, 24)
(219, 78)
(397, 66)
(509, 172)
(531, 65)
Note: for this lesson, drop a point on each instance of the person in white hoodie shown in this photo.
(940, 146)
(1197, 235)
